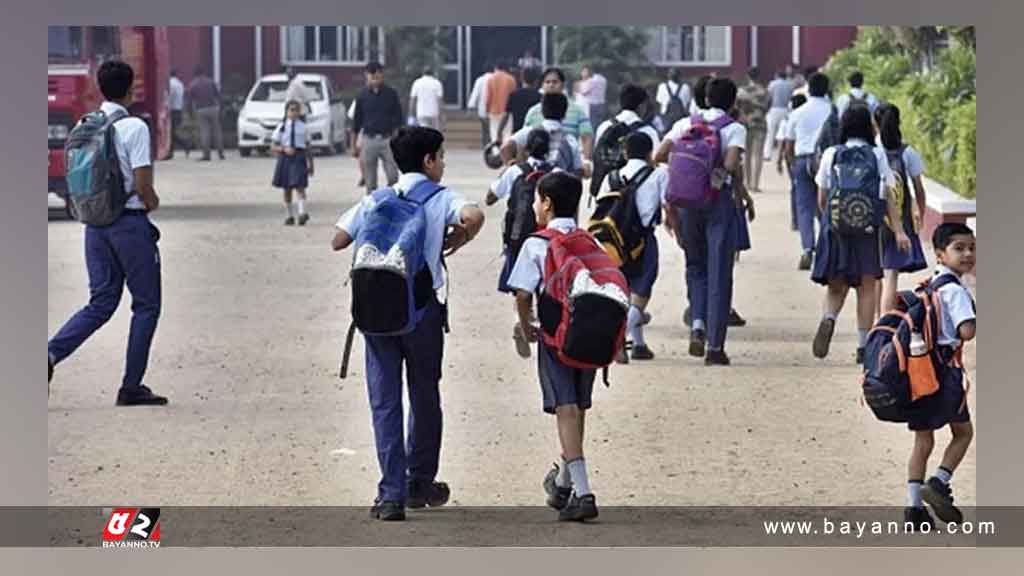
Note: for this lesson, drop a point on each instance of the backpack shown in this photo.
(693, 179)
(828, 136)
(583, 304)
(610, 151)
(616, 223)
(901, 358)
(562, 154)
(95, 184)
(676, 109)
(901, 190)
(520, 221)
(853, 205)
(391, 281)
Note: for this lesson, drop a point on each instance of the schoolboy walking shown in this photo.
(403, 322)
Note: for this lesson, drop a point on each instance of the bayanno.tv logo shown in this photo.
(132, 528)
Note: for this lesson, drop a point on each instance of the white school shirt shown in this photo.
(478, 97)
(664, 95)
(628, 117)
(805, 124)
(886, 177)
(429, 93)
(844, 101)
(175, 94)
(912, 159)
(650, 194)
(732, 136)
(352, 109)
(528, 271)
(957, 308)
(523, 134)
(283, 133)
(443, 210)
(502, 187)
(781, 89)
(132, 144)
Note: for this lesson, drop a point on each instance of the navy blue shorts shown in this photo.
(947, 406)
(561, 385)
(642, 275)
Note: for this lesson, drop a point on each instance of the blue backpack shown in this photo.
(391, 281)
(95, 185)
(854, 208)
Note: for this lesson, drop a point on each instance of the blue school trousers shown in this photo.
(708, 238)
(421, 351)
(806, 201)
(124, 252)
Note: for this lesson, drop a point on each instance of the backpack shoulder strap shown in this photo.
(422, 192)
(941, 280)
(640, 177)
(679, 88)
(546, 234)
(722, 121)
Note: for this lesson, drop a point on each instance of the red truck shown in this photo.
(74, 54)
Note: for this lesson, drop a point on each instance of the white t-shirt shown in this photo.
(957, 308)
(805, 124)
(478, 97)
(886, 177)
(844, 101)
(650, 194)
(429, 93)
(628, 117)
(733, 136)
(175, 94)
(132, 144)
(665, 91)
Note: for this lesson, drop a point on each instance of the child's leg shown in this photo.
(835, 297)
(924, 442)
(288, 202)
(963, 434)
(867, 297)
(635, 319)
(890, 286)
(570, 434)
(301, 193)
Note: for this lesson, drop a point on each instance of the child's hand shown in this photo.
(750, 209)
(288, 150)
(902, 241)
(456, 238)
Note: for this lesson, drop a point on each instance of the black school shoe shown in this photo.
(642, 352)
(735, 320)
(139, 396)
(717, 358)
(303, 218)
(423, 493)
(698, 340)
(579, 508)
(918, 518)
(387, 510)
(860, 356)
(49, 374)
(823, 338)
(805, 261)
(558, 496)
(940, 497)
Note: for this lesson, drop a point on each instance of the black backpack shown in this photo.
(610, 151)
(520, 221)
(676, 109)
(895, 380)
(616, 223)
(854, 208)
(828, 137)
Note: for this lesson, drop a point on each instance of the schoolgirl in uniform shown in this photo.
(294, 166)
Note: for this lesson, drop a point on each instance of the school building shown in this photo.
(237, 55)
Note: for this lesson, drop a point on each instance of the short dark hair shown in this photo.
(754, 73)
(530, 75)
(556, 71)
(856, 79)
(943, 235)
(413, 143)
(174, 71)
(674, 75)
(818, 85)
(797, 101)
(564, 191)
(631, 97)
(721, 94)
(538, 143)
(700, 90)
(115, 79)
(374, 67)
(638, 145)
(856, 123)
(554, 106)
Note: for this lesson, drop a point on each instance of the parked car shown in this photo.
(263, 112)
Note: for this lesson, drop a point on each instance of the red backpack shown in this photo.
(583, 305)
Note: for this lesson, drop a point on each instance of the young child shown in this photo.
(908, 166)
(409, 465)
(650, 192)
(780, 138)
(293, 167)
(842, 262)
(537, 147)
(564, 151)
(566, 391)
(955, 251)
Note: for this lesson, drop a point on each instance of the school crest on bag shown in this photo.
(853, 205)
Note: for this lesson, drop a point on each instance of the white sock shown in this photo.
(291, 209)
(302, 206)
(578, 472)
(635, 323)
(862, 337)
(698, 324)
(914, 494)
(831, 316)
(563, 479)
(943, 475)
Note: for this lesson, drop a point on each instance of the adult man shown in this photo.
(204, 99)
(176, 102)
(803, 127)
(499, 87)
(576, 121)
(753, 101)
(297, 90)
(780, 89)
(377, 116)
(856, 95)
(594, 89)
(425, 100)
(123, 252)
(478, 100)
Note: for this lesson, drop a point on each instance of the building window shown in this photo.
(331, 45)
(690, 45)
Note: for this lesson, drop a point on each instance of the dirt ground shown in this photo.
(248, 345)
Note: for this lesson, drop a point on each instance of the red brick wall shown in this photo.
(818, 43)
(186, 47)
(237, 59)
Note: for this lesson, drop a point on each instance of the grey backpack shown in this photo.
(95, 184)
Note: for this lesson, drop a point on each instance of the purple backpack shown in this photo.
(693, 159)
